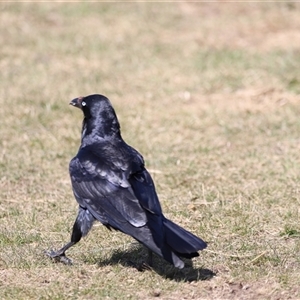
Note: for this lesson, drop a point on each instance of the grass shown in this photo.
(208, 93)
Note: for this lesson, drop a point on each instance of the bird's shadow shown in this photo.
(136, 255)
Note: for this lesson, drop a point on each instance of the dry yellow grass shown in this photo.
(208, 93)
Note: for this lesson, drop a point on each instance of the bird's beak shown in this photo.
(77, 102)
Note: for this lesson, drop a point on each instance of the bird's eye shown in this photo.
(83, 103)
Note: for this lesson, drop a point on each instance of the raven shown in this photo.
(111, 185)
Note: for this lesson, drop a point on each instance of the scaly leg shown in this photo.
(81, 227)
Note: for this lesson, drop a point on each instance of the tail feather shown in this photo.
(182, 242)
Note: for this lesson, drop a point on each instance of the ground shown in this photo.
(207, 92)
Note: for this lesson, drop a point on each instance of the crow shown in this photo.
(111, 185)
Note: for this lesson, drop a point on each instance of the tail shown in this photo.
(171, 243)
(182, 242)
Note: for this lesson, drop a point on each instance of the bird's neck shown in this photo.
(93, 129)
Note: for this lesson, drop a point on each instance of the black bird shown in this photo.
(111, 185)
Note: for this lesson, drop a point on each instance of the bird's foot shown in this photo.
(59, 257)
(144, 266)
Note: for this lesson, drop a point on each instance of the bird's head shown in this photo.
(98, 113)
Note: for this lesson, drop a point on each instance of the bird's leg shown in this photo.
(81, 227)
(60, 254)
(146, 265)
(150, 258)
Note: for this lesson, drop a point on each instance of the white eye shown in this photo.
(83, 103)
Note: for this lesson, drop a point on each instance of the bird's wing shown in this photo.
(101, 184)
(144, 189)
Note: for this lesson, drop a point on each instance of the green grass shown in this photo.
(208, 93)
